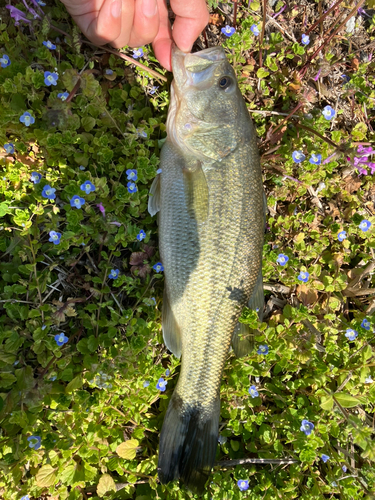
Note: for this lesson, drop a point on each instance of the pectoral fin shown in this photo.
(196, 192)
(154, 197)
(256, 302)
(171, 330)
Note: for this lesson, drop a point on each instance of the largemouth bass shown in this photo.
(210, 200)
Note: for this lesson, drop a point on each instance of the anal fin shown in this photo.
(171, 330)
(154, 197)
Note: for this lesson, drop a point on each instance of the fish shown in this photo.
(210, 203)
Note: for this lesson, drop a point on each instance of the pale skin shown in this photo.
(138, 22)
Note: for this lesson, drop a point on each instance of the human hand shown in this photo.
(138, 22)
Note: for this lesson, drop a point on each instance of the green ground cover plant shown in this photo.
(85, 378)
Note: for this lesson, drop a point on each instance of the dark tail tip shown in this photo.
(188, 443)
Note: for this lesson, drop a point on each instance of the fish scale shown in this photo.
(211, 224)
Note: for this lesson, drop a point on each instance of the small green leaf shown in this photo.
(327, 403)
(106, 484)
(127, 449)
(46, 476)
(262, 73)
(76, 383)
(346, 400)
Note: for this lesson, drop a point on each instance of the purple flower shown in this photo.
(61, 339)
(141, 133)
(141, 235)
(63, 95)
(162, 384)
(344, 468)
(49, 45)
(325, 458)
(253, 391)
(88, 187)
(341, 236)
(315, 159)
(365, 151)
(153, 89)
(113, 275)
(101, 208)
(365, 225)
(4, 61)
(298, 156)
(158, 267)
(77, 201)
(305, 39)
(132, 188)
(137, 53)
(307, 427)
(50, 78)
(282, 259)
(366, 324)
(316, 77)
(9, 148)
(35, 442)
(17, 15)
(228, 30)
(303, 276)
(243, 484)
(48, 192)
(263, 349)
(54, 237)
(131, 174)
(255, 30)
(328, 113)
(27, 119)
(351, 334)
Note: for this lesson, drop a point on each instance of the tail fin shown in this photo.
(188, 443)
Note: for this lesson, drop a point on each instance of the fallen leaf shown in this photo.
(306, 295)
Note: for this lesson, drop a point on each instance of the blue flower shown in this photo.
(158, 267)
(53, 378)
(346, 78)
(153, 89)
(132, 174)
(137, 53)
(146, 384)
(351, 334)
(328, 113)
(132, 188)
(49, 45)
(344, 468)
(325, 458)
(141, 133)
(243, 484)
(366, 324)
(282, 259)
(54, 237)
(35, 442)
(41, 3)
(307, 427)
(141, 235)
(254, 28)
(263, 349)
(315, 159)
(365, 225)
(167, 372)
(50, 78)
(4, 61)
(88, 187)
(161, 385)
(27, 119)
(159, 171)
(81, 167)
(341, 236)
(61, 339)
(63, 95)
(113, 275)
(298, 156)
(26, 497)
(9, 148)
(222, 439)
(228, 30)
(305, 39)
(35, 177)
(303, 276)
(77, 201)
(109, 71)
(48, 192)
(253, 391)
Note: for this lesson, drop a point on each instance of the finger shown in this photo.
(124, 10)
(146, 23)
(162, 43)
(191, 18)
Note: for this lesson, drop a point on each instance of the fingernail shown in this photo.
(149, 8)
(116, 8)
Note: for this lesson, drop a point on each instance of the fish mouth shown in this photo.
(191, 70)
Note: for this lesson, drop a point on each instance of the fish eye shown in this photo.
(225, 82)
